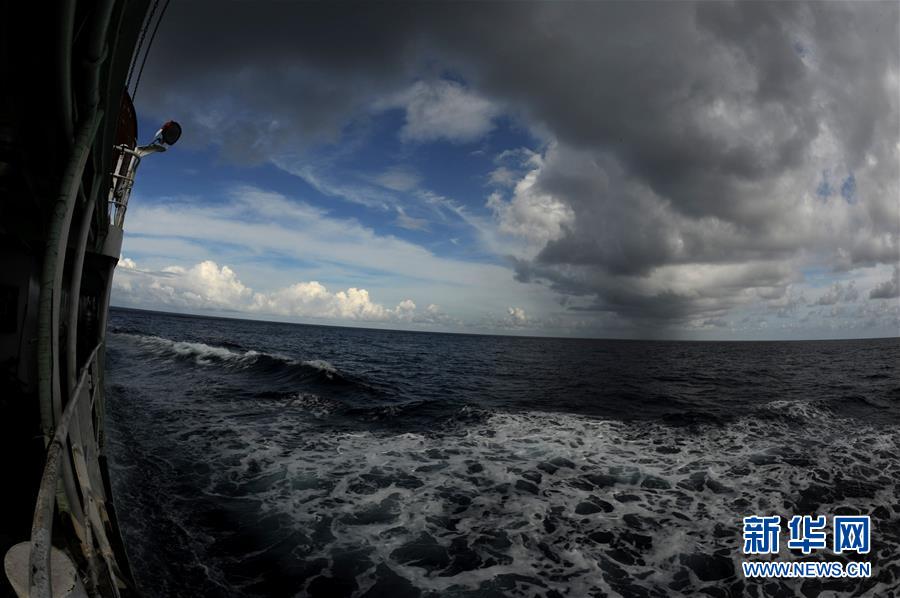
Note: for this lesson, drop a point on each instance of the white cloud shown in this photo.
(399, 179)
(839, 293)
(517, 315)
(312, 299)
(362, 194)
(408, 222)
(204, 285)
(502, 176)
(208, 286)
(888, 289)
(532, 215)
(252, 226)
(265, 221)
(442, 110)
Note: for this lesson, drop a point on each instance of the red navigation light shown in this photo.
(170, 132)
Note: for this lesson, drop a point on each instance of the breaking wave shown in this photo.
(275, 364)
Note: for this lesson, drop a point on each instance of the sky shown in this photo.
(594, 169)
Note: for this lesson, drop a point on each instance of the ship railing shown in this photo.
(75, 446)
(123, 182)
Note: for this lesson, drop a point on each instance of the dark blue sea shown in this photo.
(264, 459)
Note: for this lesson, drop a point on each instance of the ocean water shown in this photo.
(264, 459)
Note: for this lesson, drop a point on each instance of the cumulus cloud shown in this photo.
(532, 214)
(839, 293)
(889, 289)
(204, 285)
(208, 286)
(517, 316)
(786, 302)
(313, 299)
(516, 320)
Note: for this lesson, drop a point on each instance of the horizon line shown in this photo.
(527, 336)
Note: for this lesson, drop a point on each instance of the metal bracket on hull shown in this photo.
(112, 245)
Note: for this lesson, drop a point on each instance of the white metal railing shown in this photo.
(122, 183)
(75, 446)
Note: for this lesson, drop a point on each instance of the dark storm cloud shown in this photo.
(649, 306)
(684, 137)
(264, 77)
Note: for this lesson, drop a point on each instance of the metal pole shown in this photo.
(67, 20)
(75, 290)
(96, 54)
(52, 274)
(49, 390)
